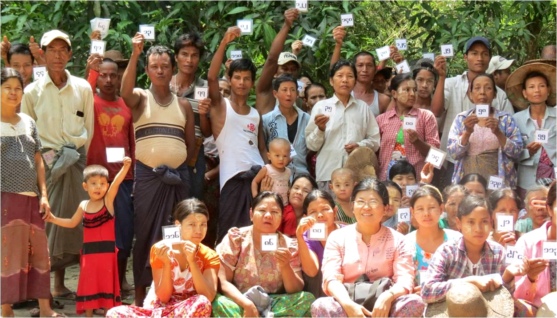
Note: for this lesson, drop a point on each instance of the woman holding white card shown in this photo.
(258, 259)
(485, 145)
(536, 83)
(504, 204)
(407, 132)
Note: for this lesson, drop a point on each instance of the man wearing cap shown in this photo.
(277, 63)
(500, 68)
(477, 55)
(62, 106)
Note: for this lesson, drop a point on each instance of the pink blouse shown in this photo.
(482, 140)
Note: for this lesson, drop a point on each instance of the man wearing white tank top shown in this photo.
(165, 137)
(238, 132)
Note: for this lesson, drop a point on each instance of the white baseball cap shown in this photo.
(52, 35)
(286, 57)
(498, 63)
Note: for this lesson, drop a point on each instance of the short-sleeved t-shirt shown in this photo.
(252, 267)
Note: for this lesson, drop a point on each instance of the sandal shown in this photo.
(66, 296)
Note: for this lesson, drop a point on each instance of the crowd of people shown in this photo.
(312, 203)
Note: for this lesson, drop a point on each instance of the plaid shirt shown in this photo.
(389, 126)
(448, 265)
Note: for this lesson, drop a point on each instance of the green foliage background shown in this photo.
(517, 29)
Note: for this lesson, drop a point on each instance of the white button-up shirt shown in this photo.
(63, 116)
(354, 123)
(457, 101)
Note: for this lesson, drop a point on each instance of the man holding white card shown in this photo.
(62, 106)
(164, 134)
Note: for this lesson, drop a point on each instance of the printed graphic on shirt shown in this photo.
(111, 126)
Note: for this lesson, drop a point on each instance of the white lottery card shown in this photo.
(201, 93)
(447, 50)
(429, 56)
(409, 123)
(49, 157)
(423, 276)
(292, 152)
(512, 255)
(102, 25)
(171, 233)
(39, 72)
(401, 44)
(329, 110)
(496, 277)
(98, 47)
(235, 55)
(347, 20)
(148, 31)
(302, 5)
(550, 250)
(301, 86)
(482, 111)
(410, 189)
(542, 136)
(318, 232)
(504, 223)
(436, 157)
(403, 67)
(495, 183)
(246, 26)
(115, 154)
(383, 53)
(308, 40)
(269, 242)
(404, 215)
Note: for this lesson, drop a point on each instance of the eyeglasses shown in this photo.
(371, 203)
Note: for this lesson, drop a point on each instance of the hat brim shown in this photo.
(47, 42)
(291, 60)
(513, 86)
(500, 305)
(361, 160)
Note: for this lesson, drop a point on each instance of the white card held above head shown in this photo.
(383, 53)
(302, 5)
(482, 111)
(115, 154)
(410, 189)
(542, 136)
(504, 222)
(447, 50)
(512, 254)
(409, 123)
(201, 93)
(347, 20)
(429, 56)
(318, 232)
(98, 47)
(436, 157)
(246, 26)
(269, 242)
(308, 40)
(101, 25)
(403, 67)
(495, 183)
(39, 72)
(148, 31)
(550, 250)
(401, 44)
(235, 55)
(171, 233)
(404, 215)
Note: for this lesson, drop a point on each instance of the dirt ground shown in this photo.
(72, 278)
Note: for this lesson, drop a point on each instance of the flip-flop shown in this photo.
(36, 312)
(66, 296)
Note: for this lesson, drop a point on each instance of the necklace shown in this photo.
(161, 105)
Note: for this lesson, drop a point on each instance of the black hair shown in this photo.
(312, 85)
(401, 167)
(532, 75)
(282, 79)
(469, 203)
(306, 176)
(426, 191)
(449, 190)
(499, 72)
(109, 60)
(374, 185)
(240, 65)
(309, 77)
(189, 39)
(399, 79)
(18, 48)
(315, 195)
(501, 194)
(94, 171)
(363, 53)
(159, 50)
(474, 177)
(340, 64)
(392, 184)
(425, 66)
(264, 195)
(190, 206)
(8, 73)
(484, 75)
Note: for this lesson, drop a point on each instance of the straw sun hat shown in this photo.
(515, 80)
(363, 162)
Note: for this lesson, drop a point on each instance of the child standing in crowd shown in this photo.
(98, 280)
(342, 184)
(395, 195)
(279, 156)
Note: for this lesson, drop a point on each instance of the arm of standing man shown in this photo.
(132, 97)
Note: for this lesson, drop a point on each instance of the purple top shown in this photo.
(316, 246)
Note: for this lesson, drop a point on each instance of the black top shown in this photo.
(292, 130)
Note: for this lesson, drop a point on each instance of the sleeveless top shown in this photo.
(280, 181)
(374, 106)
(160, 134)
(238, 143)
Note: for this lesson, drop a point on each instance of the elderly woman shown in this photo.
(537, 160)
(369, 248)
(487, 145)
(255, 280)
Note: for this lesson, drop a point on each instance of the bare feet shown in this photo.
(46, 310)
(63, 292)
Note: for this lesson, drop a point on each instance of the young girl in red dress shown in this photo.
(98, 279)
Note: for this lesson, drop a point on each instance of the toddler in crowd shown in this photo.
(342, 183)
(279, 156)
(98, 280)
